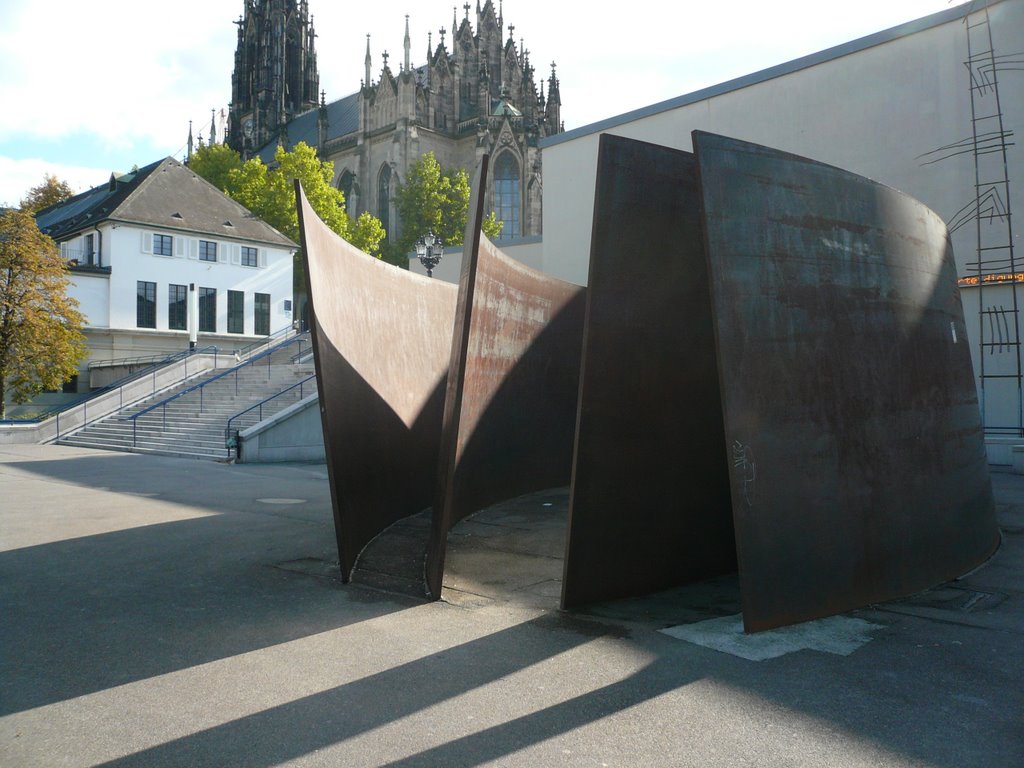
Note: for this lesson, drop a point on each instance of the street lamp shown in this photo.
(429, 250)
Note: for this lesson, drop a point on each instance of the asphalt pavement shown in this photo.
(165, 612)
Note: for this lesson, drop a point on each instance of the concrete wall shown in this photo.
(880, 107)
(294, 434)
(874, 106)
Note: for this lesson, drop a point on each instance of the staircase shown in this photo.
(189, 420)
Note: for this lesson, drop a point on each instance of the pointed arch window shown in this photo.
(384, 198)
(346, 184)
(506, 194)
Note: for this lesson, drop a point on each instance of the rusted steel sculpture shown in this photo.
(382, 339)
(649, 503)
(855, 445)
(510, 410)
(842, 406)
(774, 378)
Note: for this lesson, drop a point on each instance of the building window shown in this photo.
(346, 184)
(177, 307)
(262, 314)
(145, 304)
(207, 250)
(89, 249)
(506, 194)
(208, 310)
(236, 312)
(250, 256)
(163, 245)
(384, 198)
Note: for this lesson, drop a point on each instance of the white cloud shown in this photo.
(128, 75)
(18, 176)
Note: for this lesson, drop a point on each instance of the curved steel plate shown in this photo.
(382, 342)
(511, 405)
(855, 448)
(649, 504)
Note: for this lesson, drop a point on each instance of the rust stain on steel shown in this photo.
(649, 502)
(382, 344)
(511, 401)
(855, 446)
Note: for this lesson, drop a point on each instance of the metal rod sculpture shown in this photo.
(382, 341)
(512, 385)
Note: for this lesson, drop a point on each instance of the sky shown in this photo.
(93, 88)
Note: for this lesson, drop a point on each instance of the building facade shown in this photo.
(930, 108)
(275, 76)
(138, 244)
(476, 93)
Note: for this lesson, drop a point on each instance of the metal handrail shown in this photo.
(231, 438)
(268, 341)
(151, 359)
(200, 387)
(113, 386)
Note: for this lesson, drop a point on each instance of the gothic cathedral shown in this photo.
(479, 97)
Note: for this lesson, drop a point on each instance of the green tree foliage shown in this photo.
(41, 341)
(269, 192)
(216, 163)
(50, 192)
(436, 199)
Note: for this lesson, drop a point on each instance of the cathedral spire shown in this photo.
(275, 76)
(189, 155)
(368, 62)
(407, 43)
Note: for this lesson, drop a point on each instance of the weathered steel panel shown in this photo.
(855, 448)
(510, 411)
(382, 342)
(649, 504)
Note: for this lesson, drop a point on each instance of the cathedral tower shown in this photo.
(275, 75)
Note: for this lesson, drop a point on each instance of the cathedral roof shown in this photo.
(342, 119)
(164, 194)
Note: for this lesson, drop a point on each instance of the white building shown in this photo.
(932, 108)
(137, 244)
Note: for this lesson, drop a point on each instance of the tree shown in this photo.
(216, 163)
(269, 192)
(435, 199)
(41, 341)
(50, 192)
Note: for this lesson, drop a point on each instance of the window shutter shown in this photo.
(222, 253)
(179, 247)
(236, 253)
(64, 250)
(262, 258)
(147, 242)
(193, 248)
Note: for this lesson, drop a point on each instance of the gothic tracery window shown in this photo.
(384, 198)
(346, 184)
(506, 194)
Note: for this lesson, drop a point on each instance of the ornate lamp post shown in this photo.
(429, 250)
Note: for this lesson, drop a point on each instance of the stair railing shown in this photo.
(231, 434)
(200, 387)
(80, 406)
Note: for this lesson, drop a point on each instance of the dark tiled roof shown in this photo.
(165, 194)
(342, 119)
(87, 209)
